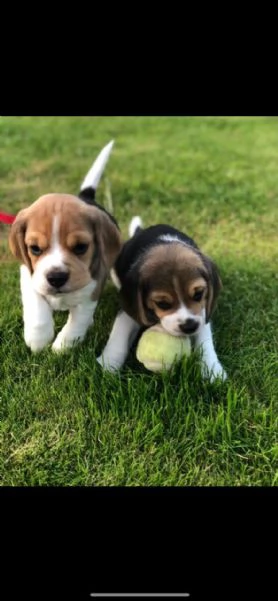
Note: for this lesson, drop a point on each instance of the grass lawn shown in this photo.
(63, 421)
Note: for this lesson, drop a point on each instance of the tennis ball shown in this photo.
(158, 350)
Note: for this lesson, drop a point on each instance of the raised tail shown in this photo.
(135, 226)
(91, 181)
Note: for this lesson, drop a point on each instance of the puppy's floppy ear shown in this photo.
(133, 295)
(17, 238)
(146, 315)
(107, 238)
(108, 243)
(214, 285)
(142, 316)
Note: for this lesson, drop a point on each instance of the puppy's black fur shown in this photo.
(133, 250)
(88, 196)
(132, 255)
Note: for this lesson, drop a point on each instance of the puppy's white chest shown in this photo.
(67, 300)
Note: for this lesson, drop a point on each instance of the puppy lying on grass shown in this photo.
(164, 278)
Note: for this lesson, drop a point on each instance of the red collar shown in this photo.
(6, 218)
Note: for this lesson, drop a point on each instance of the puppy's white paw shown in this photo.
(63, 342)
(109, 364)
(37, 337)
(213, 371)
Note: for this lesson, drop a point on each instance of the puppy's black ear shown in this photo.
(214, 285)
(17, 238)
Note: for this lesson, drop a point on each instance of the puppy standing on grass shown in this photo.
(67, 245)
(164, 278)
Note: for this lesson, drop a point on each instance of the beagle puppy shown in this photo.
(164, 278)
(67, 245)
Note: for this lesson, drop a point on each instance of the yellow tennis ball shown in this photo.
(158, 350)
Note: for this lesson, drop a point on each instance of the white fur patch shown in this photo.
(67, 300)
(171, 238)
(171, 323)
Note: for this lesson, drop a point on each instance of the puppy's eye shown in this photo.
(198, 295)
(80, 249)
(164, 305)
(35, 250)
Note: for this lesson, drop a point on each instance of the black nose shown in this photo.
(57, 278)
(189, 326)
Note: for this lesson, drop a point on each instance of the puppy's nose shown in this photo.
(57, 278)
(189, 326)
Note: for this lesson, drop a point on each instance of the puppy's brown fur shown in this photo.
(173, 274)
(79, 223)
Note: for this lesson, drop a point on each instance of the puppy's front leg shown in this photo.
(37, 314)
(79, 320)
(120, 340)
(211, 367)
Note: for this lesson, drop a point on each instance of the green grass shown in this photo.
(63, 421)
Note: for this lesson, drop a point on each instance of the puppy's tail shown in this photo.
(135, 226)
(91, 181)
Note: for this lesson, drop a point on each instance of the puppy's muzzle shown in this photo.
(57, 279)
(189, 326)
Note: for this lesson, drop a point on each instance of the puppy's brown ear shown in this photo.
(146, 315)
(141, 315)
(108, 238)
(132, 294)
(17, 238)
(214, 286)
(108, 243)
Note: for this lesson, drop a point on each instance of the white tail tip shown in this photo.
(134, 224)
(94, 174)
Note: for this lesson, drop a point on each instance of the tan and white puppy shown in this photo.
(67, 245)
(164, 278)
